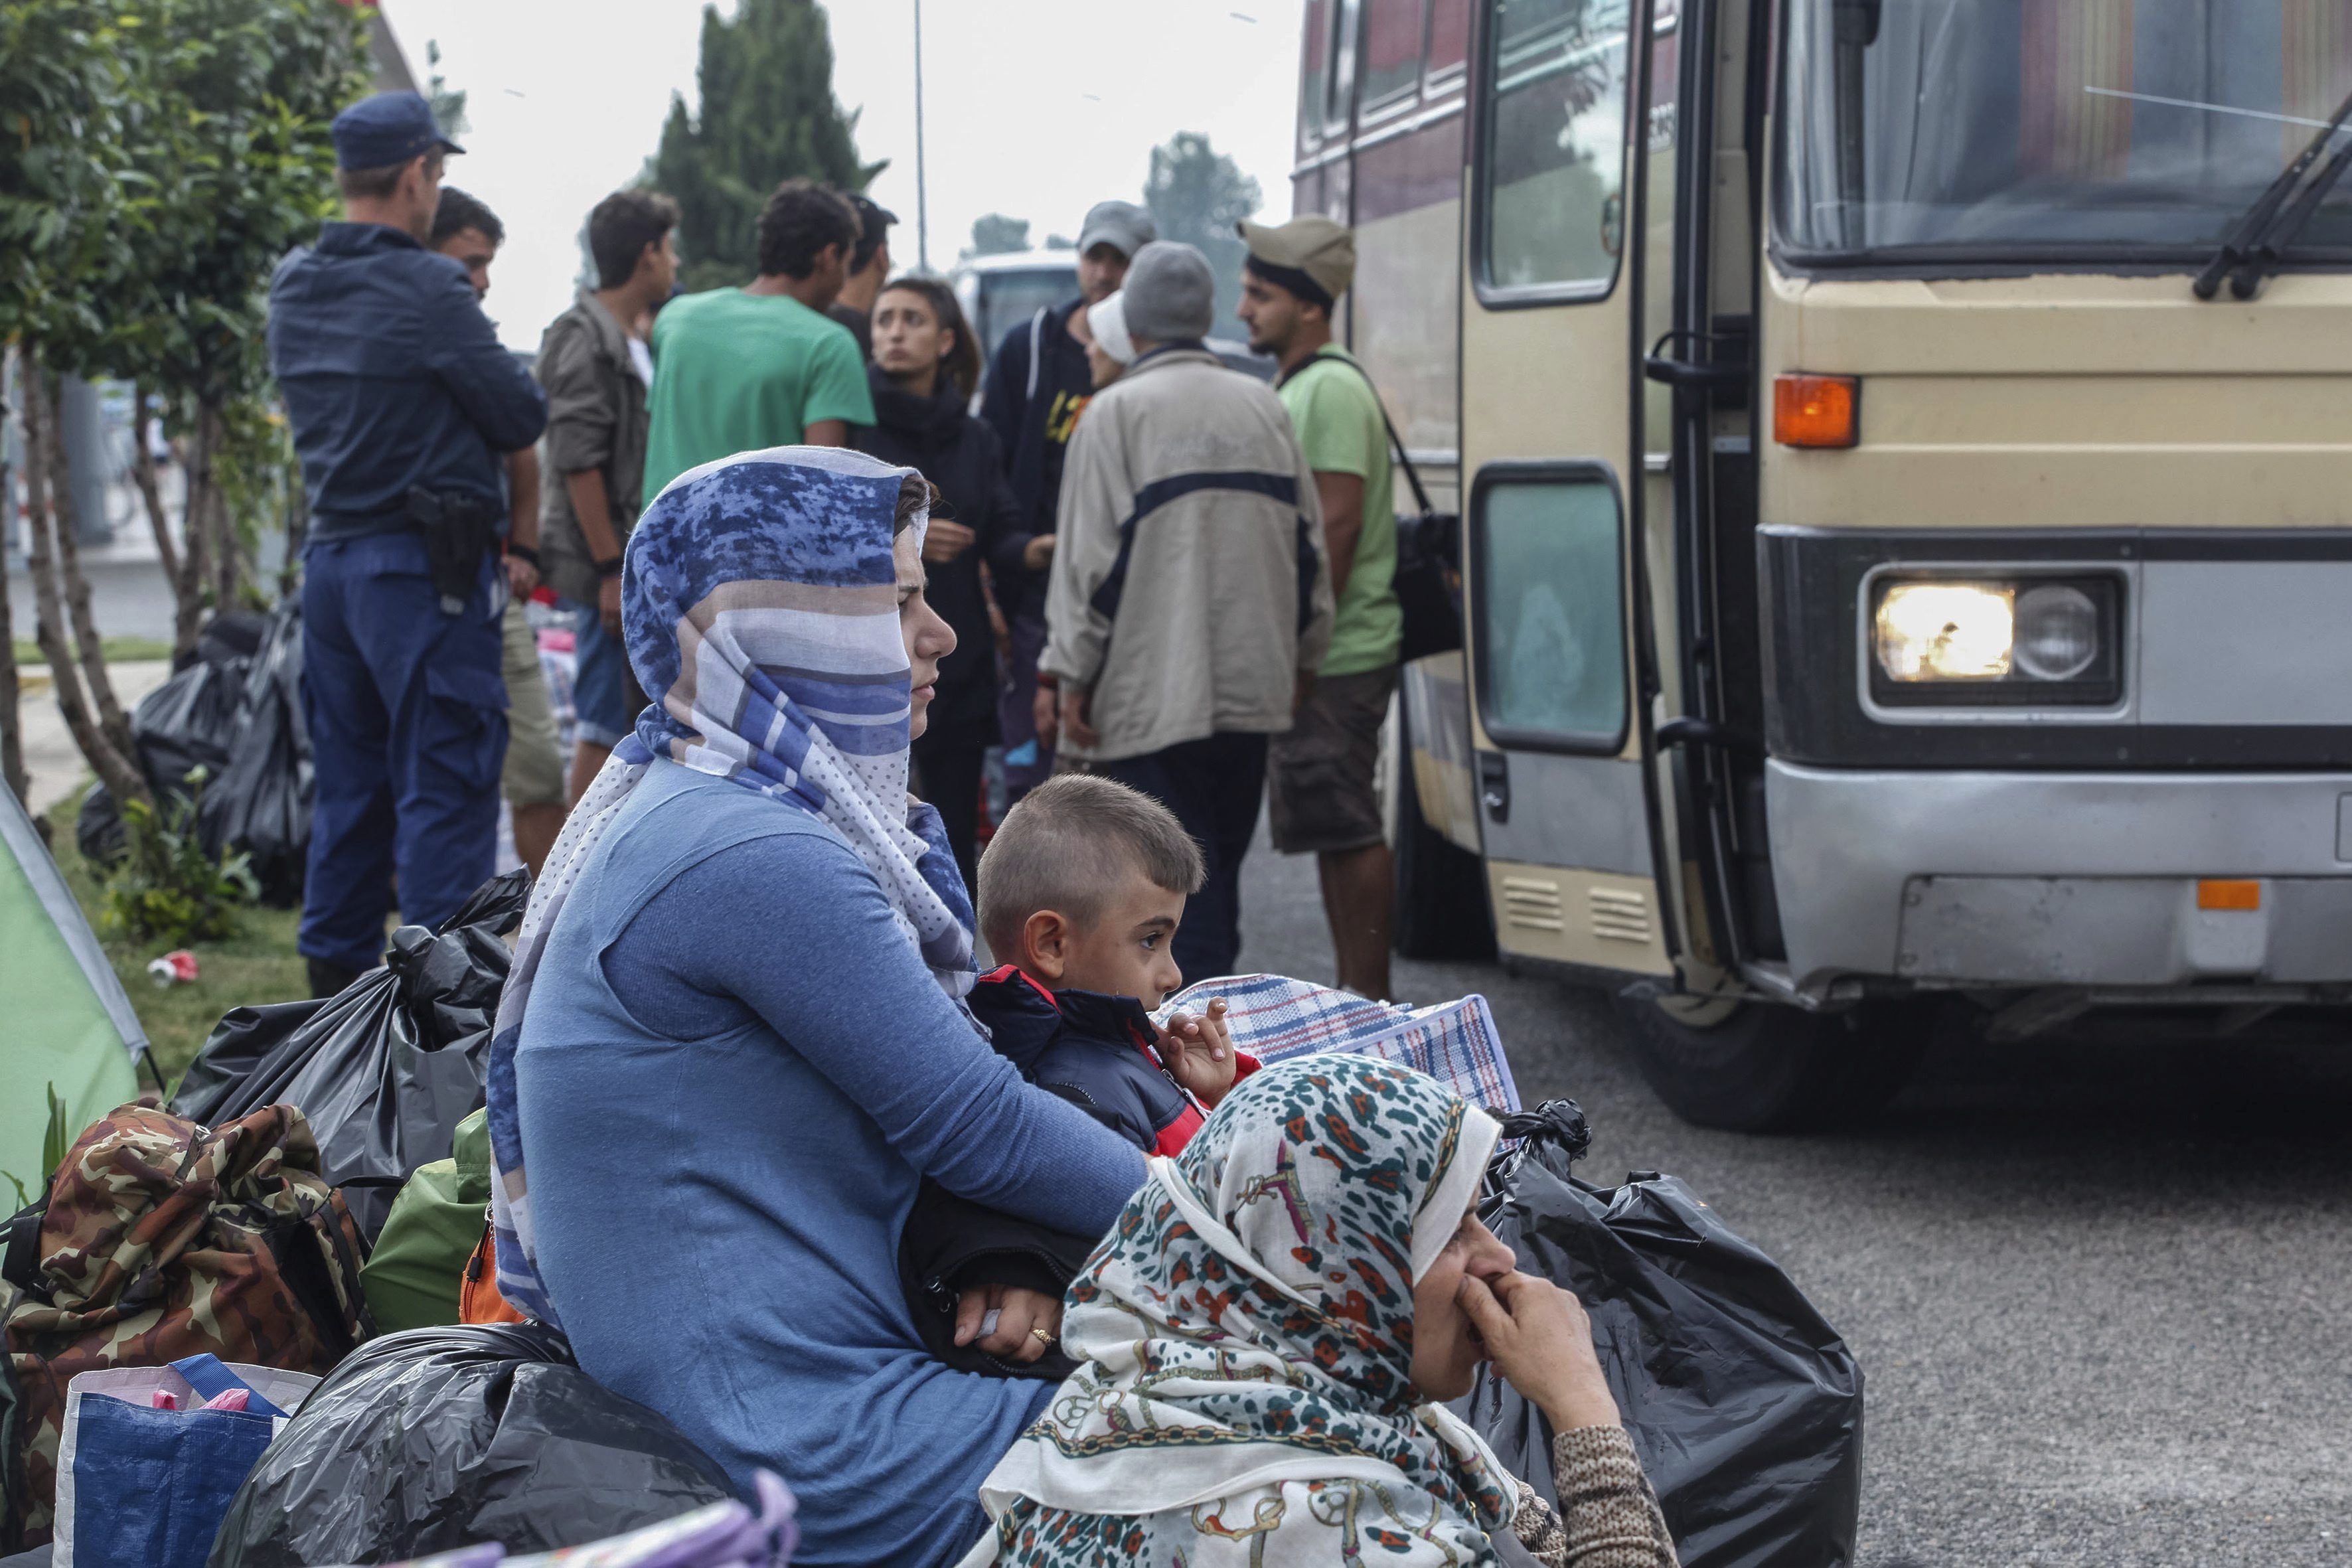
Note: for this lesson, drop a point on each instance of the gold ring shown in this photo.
(1041, 1336)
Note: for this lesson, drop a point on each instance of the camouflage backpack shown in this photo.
(158, 1240)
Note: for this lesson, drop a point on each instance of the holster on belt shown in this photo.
(459, 531)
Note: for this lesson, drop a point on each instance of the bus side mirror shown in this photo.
(1858, 21)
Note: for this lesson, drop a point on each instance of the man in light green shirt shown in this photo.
(740, 370)
(1320, 774)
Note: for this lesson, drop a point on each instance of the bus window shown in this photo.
(2000, 131)
(1554, 173)
(1550, 611)
(1449, 40)
(1392, 56)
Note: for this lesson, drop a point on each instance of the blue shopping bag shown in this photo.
(142, 1488)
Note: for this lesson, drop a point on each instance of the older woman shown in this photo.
(1262, 1341)
(734, 1043)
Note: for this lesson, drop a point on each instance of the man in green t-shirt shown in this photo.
(1320, 774)
(740, 370)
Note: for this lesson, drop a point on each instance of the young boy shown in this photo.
(1080, 895)
(1080, 891)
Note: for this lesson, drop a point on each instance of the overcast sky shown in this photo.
(1036, 108)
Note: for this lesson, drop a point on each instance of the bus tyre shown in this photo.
(1441, 888)
(1756, 1066)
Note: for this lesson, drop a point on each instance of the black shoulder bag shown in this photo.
(1428, 579)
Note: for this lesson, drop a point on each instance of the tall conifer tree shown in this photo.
(767, 114)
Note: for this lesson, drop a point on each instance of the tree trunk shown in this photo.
(115, 768)
(12, 739)
(151, 490)
(188, 587)
(82, 617)
(229, 558)
(297, 531)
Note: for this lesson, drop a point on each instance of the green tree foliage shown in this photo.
(157, 157)
(767, 114)
(448, 103)
(62, 85)
(1196, 195)
(993, 234)
(168, 889)
(230, 165)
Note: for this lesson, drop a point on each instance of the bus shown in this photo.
(1904, 451)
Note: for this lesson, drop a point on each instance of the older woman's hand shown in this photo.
(1540, 1340)
(1028, 1323)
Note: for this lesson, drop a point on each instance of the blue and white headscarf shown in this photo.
(759, 609)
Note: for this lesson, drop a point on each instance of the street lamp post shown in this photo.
(922, 208)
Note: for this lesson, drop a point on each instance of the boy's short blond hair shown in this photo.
(1066, 844)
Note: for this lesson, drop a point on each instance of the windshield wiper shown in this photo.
(2245, 253)
(2272, 250)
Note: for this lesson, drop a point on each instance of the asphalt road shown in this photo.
(2102, 1296)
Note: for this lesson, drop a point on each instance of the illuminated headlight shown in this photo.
(2005, 643)
(1947, 631)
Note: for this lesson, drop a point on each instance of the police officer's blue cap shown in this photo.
(387, 129)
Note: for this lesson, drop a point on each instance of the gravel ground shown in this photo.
(2100, 1294)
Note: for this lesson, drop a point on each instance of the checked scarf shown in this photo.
(1245, 1395)
(759, 609)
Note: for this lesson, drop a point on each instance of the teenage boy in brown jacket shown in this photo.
(596, 369)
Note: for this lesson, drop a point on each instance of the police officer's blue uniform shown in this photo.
(393, 381)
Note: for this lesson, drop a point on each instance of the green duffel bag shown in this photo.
(419, 1264)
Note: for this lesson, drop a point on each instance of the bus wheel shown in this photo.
(1755, 1066)
(1441, 888)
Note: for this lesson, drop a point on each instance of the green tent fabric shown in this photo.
(412, 1279)
(68, 1025)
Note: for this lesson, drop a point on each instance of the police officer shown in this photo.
(403, 404)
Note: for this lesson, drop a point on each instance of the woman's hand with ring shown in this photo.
(1027, 1322)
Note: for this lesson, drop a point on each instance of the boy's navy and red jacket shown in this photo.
(1095, 1052)
(1092, 1050)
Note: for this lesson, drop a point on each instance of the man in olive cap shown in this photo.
(1189, 592)
(1037, 385)
(403, 405)
(1321, 773)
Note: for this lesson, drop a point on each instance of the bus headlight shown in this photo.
(1995, 642)
(1946, 631)
(2057, 631)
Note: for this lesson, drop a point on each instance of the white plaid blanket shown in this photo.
(1272, 1017)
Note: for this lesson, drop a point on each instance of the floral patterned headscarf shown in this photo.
(1245, 1335)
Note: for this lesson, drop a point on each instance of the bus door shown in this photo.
(1701, 518)
(1560, 630)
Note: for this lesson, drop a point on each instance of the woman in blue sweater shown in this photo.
(735, 1041)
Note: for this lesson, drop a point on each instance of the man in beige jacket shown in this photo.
(1190, 595)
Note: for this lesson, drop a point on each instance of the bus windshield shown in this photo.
(1996, 130)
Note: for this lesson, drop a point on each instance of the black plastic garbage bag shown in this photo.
(385, 1070)
(188, 722)
(259, 802)
(435, 1438)
(1744, 1404)
(238, 1045)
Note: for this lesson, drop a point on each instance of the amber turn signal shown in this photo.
(2229, 893)
(1817, 410)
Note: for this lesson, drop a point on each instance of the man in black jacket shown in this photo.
(402, 404)
(1036, 388)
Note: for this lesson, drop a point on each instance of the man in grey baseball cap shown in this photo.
(1123, 225)
(1189, 593)
(1038, 381)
